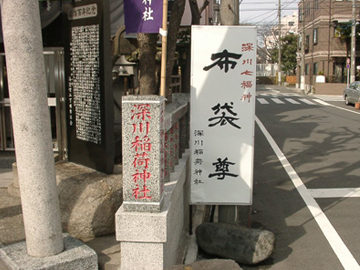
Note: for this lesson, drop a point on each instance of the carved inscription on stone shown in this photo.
(84, 83)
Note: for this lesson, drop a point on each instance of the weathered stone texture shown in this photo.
(88, 200)
(215, 264)
(247, 246)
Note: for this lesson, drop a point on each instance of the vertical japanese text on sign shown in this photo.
(222, 114)
(141, 145)
(143, 16)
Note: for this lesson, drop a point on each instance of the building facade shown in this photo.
(327, 36)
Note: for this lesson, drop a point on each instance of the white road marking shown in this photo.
(262, 101)
(342, 252)
(306, 101)
(277, 101)
(291, 101)
(345, 109)
(330, 97)
(335, 192)
(322, 102)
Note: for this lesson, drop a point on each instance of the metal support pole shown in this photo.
(163, 49)
(353, 43)
(279, 27)
(302, 63)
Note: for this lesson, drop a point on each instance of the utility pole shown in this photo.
(302, 62)
(353, 42)
(229, 12)
(229, 15)
(279, 32)
(239, 10)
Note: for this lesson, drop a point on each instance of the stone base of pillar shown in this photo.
(76, 256)
(14, 188)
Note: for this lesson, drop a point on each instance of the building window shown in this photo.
(315, 36)
(316, 4)
(299, 41)
(291, 23)
(307, 9)
(315, 68)
(306, 69)
(300, 14)
(307, 43)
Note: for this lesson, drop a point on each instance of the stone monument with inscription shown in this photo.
(143, 153)
(90, 116)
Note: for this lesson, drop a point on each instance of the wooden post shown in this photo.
(163, 33)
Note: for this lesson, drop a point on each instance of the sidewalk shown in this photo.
(12, 227)
(9, 207)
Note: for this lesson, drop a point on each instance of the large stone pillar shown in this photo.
(31, 124)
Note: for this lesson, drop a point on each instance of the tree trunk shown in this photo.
(147, 48)
(195, 20)
(195, 14)
(174, 25)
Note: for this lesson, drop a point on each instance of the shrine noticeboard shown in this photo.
(223, 85)
(90, 105)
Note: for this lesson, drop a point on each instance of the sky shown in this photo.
(265, 11)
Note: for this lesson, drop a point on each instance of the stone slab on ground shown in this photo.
(215, 264)
(6, 177)
(11, 219)
(108, 250)
(88, 200)
(230, 241)
(76, 256)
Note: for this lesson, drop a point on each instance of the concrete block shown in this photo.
(141, 256)
(76, 256)
(151, 240)
(140, 227)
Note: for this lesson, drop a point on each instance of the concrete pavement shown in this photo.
(12, 228)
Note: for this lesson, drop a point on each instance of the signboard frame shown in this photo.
(223, 92)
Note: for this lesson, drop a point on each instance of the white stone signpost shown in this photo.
(223, 86)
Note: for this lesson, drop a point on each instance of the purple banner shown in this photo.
(143, 16)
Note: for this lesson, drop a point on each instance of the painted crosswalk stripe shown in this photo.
(277, 101)
(335, 192)
(262, 101)
(307, 101)
(291, 101)
(321, 102)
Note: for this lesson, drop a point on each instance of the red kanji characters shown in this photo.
(142, 126)
(247, 61)
(141, 112)
(137, 192)
(145, 175)
(246, 96)
(141, 160)
(246, 47)
(143, 145)
(247, 72)
(246, 84)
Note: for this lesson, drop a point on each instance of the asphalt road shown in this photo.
(307, 180)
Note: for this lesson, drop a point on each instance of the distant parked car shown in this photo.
(352, 93)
